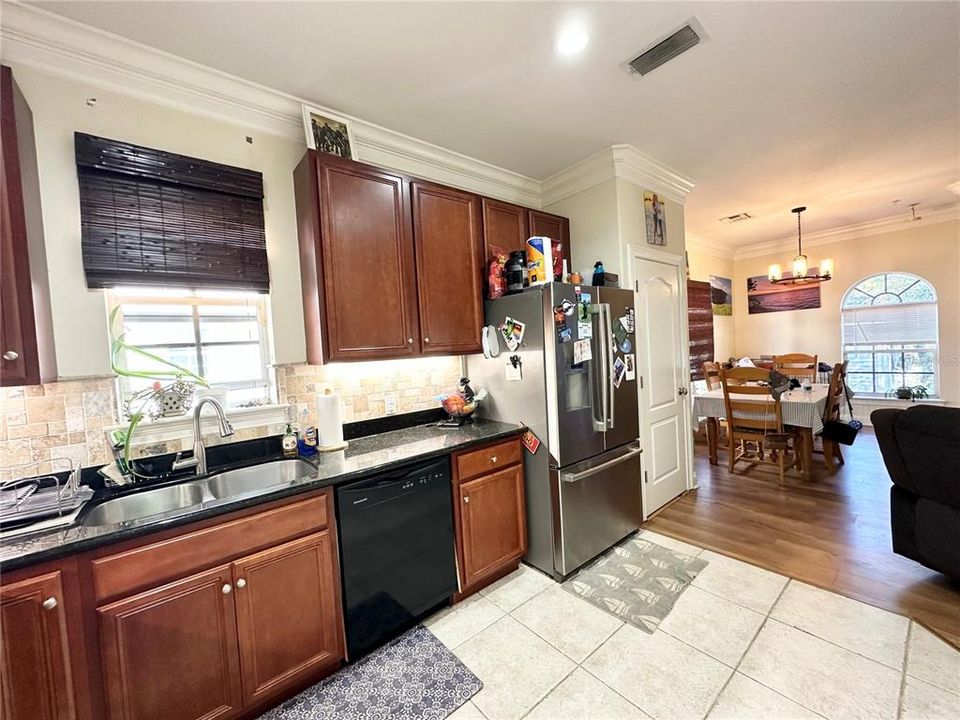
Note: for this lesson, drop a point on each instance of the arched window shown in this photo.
(890, 333)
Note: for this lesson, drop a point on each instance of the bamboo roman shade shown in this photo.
(150, 217)
(700, 324)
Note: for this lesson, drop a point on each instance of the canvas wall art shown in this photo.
(765, 297)
(721, 295)
(656, 222)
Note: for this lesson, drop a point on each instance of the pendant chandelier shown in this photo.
(800, 267)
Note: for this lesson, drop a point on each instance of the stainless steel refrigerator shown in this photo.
(583, 481)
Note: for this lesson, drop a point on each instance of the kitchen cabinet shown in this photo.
(26, 339)
(393, 266)
(448, 239)
(228, 639)
(489, 513)
(504, 226)
(286, 613)
(171, 653)
(36, 673)
(356, 260)
(554, 227)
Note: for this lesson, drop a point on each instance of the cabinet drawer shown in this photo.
(176, 557)
(473, 463)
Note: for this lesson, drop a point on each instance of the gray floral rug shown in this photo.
(412, 677)
(637, 581)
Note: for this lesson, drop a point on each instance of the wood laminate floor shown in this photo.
(833, 531)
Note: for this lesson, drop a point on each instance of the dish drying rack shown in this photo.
(31, 498)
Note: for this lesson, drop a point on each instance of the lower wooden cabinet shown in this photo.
(35, 668)
(490, 515)
(287, 616)
(171, 653)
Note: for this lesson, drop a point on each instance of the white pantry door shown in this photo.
(663, 387)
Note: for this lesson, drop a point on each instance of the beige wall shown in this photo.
(59, 108)
(593, 227)
(702, 266)
(931, 251)
(633, 226)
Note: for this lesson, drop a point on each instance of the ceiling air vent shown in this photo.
(739, 217)
(665, 50)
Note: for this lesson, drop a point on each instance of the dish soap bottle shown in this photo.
(289, 443)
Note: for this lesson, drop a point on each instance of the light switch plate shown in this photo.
(390, 401)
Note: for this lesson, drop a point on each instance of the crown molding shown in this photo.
(617, 161)
(36, 38)
(856, 231)
(714, 248)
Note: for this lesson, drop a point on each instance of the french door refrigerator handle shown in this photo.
(596, 378)
(577, 477)
(608, 340)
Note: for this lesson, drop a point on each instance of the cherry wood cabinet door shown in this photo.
(554, 227)
(504, 226)
(448, 240)
(288, 613)
(369, 279)
(35, 671)
(171, 653)
(492, 522)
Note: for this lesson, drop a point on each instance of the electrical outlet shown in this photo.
(390, 401)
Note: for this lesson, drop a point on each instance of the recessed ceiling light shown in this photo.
(571, 41)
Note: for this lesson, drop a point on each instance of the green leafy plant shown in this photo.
(906, 392)
(166, 371)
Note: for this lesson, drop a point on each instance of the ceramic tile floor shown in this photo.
(740, 643)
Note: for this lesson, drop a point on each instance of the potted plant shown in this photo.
(906, 392)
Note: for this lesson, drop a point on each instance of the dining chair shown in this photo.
(711, 375)
(796, 365)
(834, 407)
(751, 420)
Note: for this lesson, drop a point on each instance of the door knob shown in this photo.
(11, 355)
(49, 604)
(241, 584)
(681, 391)
(226, 589)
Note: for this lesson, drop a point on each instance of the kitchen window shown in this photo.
(221, 336)
(890, 334)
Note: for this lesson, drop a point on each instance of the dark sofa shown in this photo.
(921, 449)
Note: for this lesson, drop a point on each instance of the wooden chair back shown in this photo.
(835, 399)
(711, 375)
(796, 365)
(749, 419)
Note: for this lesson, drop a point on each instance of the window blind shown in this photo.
(890, 324)
(150, 217)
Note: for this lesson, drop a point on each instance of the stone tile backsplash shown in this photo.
(68, 418)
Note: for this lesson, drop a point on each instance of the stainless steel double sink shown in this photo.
(173, 500)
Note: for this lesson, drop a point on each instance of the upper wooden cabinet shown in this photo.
(35, 668)
(449, 244)
(504, 226)
(356, 260)
(26, 338)
(393, 266)
(554, 227)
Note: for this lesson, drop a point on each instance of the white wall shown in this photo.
(594, 232)
(59, 108)
(930, 251)
(702, 266)
(633, 226)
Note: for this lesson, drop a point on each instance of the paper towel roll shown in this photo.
(329, 422)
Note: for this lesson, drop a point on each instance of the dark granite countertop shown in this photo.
(364, 456)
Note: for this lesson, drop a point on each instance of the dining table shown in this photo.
(801, 409)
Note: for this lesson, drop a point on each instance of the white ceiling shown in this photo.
(841, 106)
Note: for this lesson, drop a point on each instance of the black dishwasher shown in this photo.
(396, 551)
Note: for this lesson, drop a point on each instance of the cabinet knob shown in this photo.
(241, 583)
(11, 355)
(49, 604)
(493, 458)
(466, 498)
(226, 589)
(426, 339)
(409, 341)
